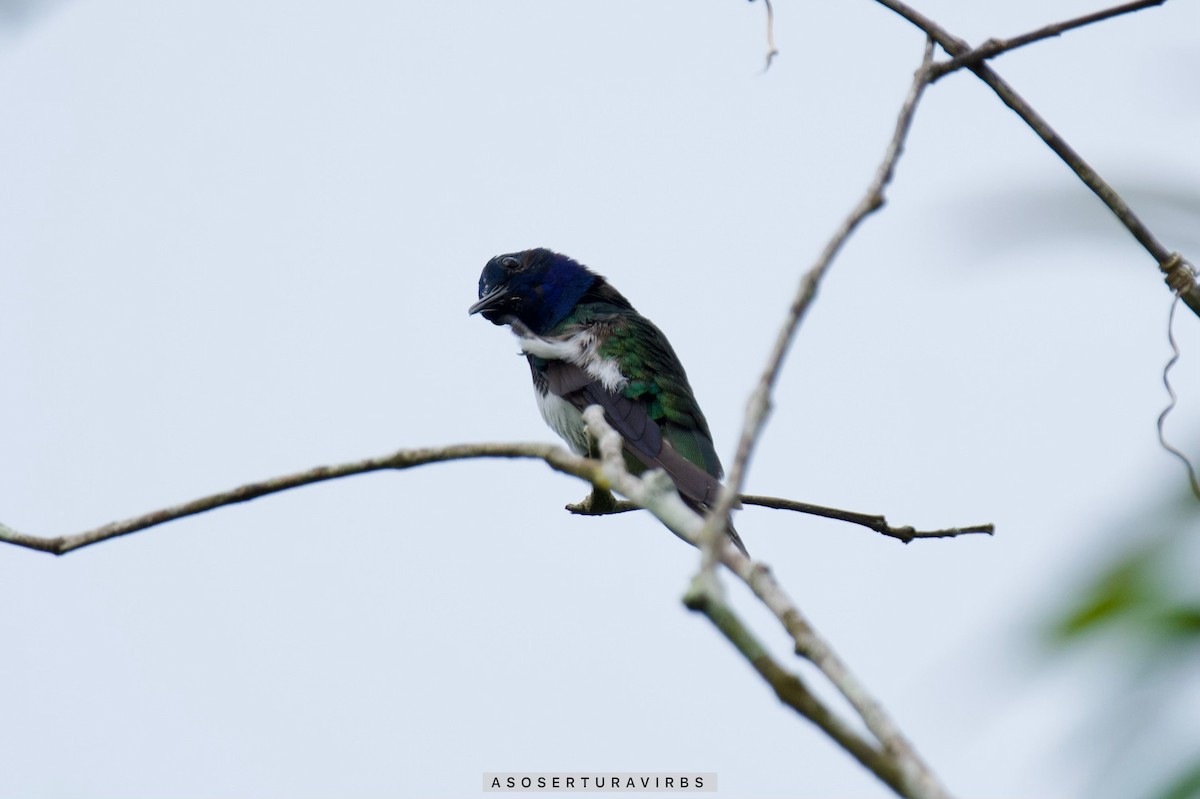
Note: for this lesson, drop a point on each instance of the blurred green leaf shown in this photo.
(1115, 595)
(1186, 785)
(1144, 603)
(1181, 621)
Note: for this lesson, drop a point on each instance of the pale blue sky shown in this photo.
(239, 239)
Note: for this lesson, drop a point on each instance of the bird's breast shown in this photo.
(563, 418)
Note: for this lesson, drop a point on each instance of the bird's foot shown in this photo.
(601, 502)
(598, 503)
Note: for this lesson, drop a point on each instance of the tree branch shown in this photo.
(890, 756)
(556, 457)
(1184, 285)
(758, 406)
(874, 522)
(871, 521)
(994, 47)
(917, 779)
(790, 689)
(914, 777)
(895, 763)
(905, 770)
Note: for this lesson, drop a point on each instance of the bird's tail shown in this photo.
(702, 509)
(735, 538)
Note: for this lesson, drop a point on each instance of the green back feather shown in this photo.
(657, 379)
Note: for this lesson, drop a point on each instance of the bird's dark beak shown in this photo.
(491, 304)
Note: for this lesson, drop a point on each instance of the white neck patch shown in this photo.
(581, 349)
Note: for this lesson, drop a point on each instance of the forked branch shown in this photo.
(994, 47)
(1180, 274)
(759, 405)
(555, 457)
(890, 756)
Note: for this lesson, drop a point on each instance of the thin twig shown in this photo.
(772, 50)
(956, 47)
(758, 406)
(994, 47)
(871, 521)
(1162, 417)
(556, 457)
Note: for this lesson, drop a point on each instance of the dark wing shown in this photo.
(658, 382)
(642, 436)
(656, 412)
(656, 378)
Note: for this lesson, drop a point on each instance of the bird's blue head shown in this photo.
(539, 287)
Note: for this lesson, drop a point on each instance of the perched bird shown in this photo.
(586, 345)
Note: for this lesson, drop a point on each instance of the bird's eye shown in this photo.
(508, 262)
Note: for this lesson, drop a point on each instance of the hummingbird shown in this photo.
(587, 345)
